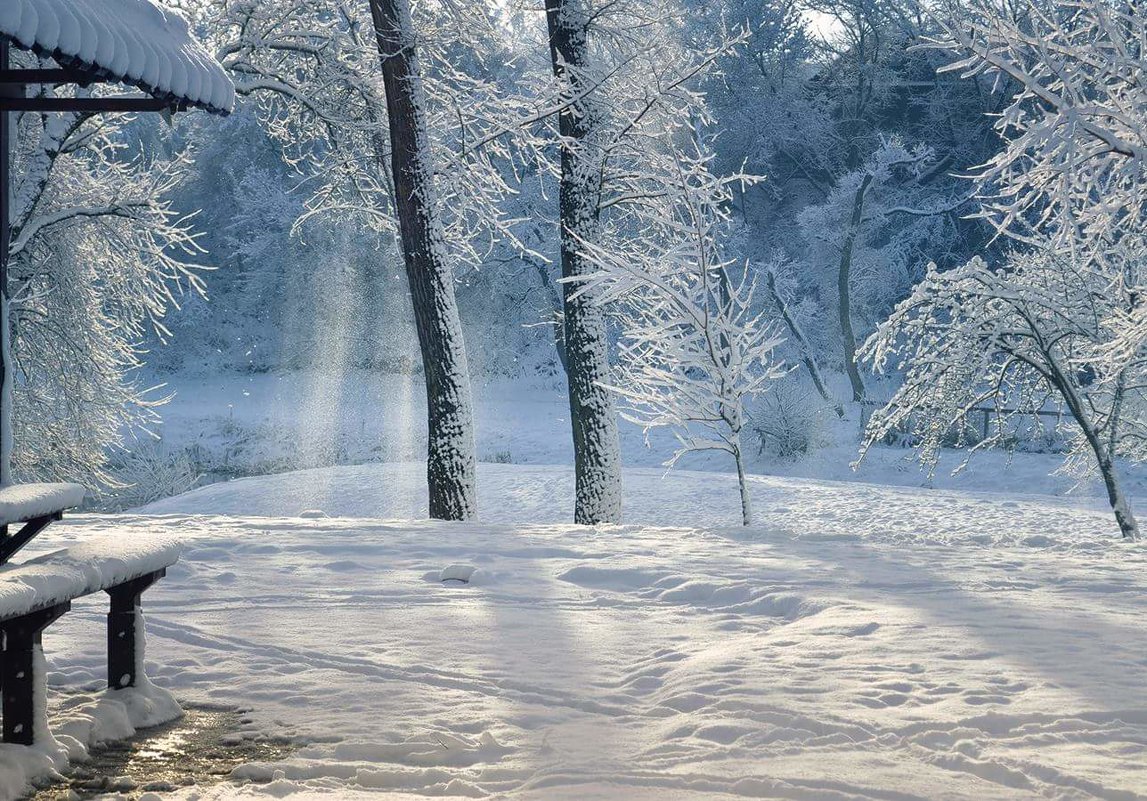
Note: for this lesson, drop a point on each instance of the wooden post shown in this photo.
(22, 637)
(124, 625)
(7, 91)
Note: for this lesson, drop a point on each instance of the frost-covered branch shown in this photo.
(696, 346)
(100, 256)
(1063, 319)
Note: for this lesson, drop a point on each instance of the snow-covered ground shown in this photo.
(272, 422)
(510, 494)
(862, 642)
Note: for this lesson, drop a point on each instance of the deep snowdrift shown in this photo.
(866, 643)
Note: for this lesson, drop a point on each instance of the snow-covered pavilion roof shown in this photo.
(134, 41)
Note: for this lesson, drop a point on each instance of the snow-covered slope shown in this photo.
(864, 643)
(262, 423)
(544, 494)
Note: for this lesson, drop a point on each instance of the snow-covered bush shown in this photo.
(146, 472)
(790, 419)
(500, 457)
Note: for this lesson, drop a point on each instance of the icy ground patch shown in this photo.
(864, 643)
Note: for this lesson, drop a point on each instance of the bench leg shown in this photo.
(19, 684)
(125, 630)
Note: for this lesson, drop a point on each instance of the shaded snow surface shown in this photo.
(861, 643)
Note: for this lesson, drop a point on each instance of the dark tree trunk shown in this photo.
(844, 287)
(7, 413)
(797, 332)
(597, 460)
(1104, 456)
(450, 463)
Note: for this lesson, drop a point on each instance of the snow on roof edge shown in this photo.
(135, 41)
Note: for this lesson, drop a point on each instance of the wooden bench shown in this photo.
(38, 592)
(36, 506)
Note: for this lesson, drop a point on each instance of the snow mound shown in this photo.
(462, 573)
(132, 40)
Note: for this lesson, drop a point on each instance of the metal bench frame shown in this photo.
(10, 544)
(22, 635)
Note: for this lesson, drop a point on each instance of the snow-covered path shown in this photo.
(836, 657)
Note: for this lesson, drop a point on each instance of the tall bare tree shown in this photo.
(597, 458)
(450, 463)
(369, 148)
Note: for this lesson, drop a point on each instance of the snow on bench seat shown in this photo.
(21, 502)
(135, 41)
(81, 570)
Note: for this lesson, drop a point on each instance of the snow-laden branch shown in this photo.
(1063, 317)
(99, 256)
(696, 346)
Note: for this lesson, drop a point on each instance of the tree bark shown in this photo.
(7, 413)
(746, 505)
(597, 460)
(1124, 517)
(450, 462)
(1104, 456)
(1120, 505)
(807, 358)
(844, 293)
